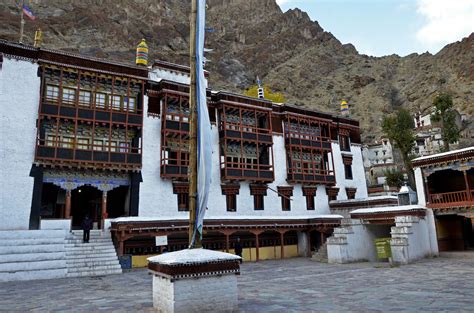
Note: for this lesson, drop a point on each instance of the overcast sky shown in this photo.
(382, 27)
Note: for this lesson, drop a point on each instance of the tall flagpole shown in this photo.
(193, 131)
(22, 22)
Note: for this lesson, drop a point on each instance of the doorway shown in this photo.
(85, 200)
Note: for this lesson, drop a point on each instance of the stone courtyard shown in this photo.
(292, 285)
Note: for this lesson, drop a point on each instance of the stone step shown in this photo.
(29, 266)
(97, 268)
(87, 244)
(90, 252)
(31, 234)
(91, 256)
(31, 249)
(21, 257)
(91, 262)
(95, 273)
(31, 241)
(90, 247)
(32, 275)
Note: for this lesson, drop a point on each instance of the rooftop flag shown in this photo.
(28, 12)
(204, 140)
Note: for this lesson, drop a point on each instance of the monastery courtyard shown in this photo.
(292, 285)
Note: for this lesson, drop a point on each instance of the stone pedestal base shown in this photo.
(195, 280)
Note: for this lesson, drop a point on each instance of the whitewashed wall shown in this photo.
(420, 187)
(19, 99)
(157, 198)
(358, 173)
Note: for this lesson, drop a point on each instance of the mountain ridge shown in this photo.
(291, 53)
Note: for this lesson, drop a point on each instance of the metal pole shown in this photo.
(193, 130)
(22, 21)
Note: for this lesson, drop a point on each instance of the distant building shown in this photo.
(378, 159)
(429, 139)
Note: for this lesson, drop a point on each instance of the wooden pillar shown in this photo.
(468, 188)
(227, 244)
(103, 210)
(67, 213)
(121, 245)
(282, 245)
(257, 246)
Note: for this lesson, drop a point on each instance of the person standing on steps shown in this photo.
(86, 227)
(238, 249)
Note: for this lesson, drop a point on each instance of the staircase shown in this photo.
(321, 255)
(32, 254)
(95, 258)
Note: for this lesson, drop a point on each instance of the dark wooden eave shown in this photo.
(63, 58)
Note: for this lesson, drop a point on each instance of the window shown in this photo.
(351, 192)
(285, 193)
(113, 146)
(52, 93)
(83, 143)
(129, 104)
(258, 191)
(51, 141)
(181, 189)
(100, 100)
(183, 202)
(285, 203)
(84, 98)
(310, 202)
(69, 95)
(231, 202)
(348, 171)
(123, 147)
(67, 142)
(98, 145)
(344, 142)
(115, 102)
(258, 203)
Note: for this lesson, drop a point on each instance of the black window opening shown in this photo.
(231, 202)
(183, 202)
(344, 143)
(258, 202)
(348, 171)
(285, 203)
(310, 203)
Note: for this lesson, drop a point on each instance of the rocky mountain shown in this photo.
(290, 53)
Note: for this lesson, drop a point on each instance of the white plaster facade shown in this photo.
(19, 99)
(157, 198)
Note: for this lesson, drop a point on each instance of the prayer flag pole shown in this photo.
(22, 21)
(196, 241)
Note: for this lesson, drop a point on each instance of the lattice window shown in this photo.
(52, 93)
(69, 95)
(100, 100)
(116, 102)
(84, 98)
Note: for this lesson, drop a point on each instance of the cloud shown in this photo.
(445, 21)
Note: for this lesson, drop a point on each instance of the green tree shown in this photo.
(445, 114)
(275, 97)
(394, 178)
(398, 127)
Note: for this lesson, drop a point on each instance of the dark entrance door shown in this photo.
(85, 200)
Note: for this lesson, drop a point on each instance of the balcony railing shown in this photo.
(451, 199)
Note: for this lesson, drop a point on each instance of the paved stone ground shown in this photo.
(293, 285)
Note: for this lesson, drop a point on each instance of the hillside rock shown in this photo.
(289, 52)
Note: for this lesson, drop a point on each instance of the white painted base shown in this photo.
(203, 294)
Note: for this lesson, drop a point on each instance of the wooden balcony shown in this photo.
(451, 199)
